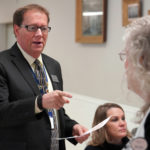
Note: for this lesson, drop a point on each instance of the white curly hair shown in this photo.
(137, 46)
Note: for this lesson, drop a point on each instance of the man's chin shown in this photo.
(38, 49)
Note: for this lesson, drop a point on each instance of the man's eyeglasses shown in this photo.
(122, 56)
(33, 28)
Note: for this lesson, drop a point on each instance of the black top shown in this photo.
(108, 146)
(147, 130)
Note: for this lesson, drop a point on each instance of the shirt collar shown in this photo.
(28, 57)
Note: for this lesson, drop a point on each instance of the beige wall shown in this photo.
(89, 69)
(2, 36)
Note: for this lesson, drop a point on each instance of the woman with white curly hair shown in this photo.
(136, 56)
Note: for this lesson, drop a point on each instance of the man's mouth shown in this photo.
(37, 43)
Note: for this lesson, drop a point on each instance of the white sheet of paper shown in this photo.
(98, 126)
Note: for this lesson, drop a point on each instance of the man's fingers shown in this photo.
(56, 99)
(62, 93)
(63, 96)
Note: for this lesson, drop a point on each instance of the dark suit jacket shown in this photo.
(20, 127)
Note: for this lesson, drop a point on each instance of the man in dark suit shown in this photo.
(24, 120)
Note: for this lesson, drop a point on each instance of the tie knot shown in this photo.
(38, 67)
(37, 62)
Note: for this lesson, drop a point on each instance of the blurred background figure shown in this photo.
(114, 135)
(136, 57)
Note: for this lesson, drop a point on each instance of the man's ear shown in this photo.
(16, 28)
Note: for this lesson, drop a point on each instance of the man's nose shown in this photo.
(38, 32)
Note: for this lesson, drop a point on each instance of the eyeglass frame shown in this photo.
(44, 29)
(122, 56)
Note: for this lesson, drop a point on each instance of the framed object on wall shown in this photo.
(131, 10)
(91, 21)
(148, 12)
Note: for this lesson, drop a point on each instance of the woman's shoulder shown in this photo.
(90, 147)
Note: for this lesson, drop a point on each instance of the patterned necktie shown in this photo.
(43, 87)
(41, 77)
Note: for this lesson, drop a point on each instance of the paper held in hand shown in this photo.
(98, 126)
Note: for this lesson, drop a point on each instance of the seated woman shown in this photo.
(114, 135)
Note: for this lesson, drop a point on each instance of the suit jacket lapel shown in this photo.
(51, 72)
(24, 68)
